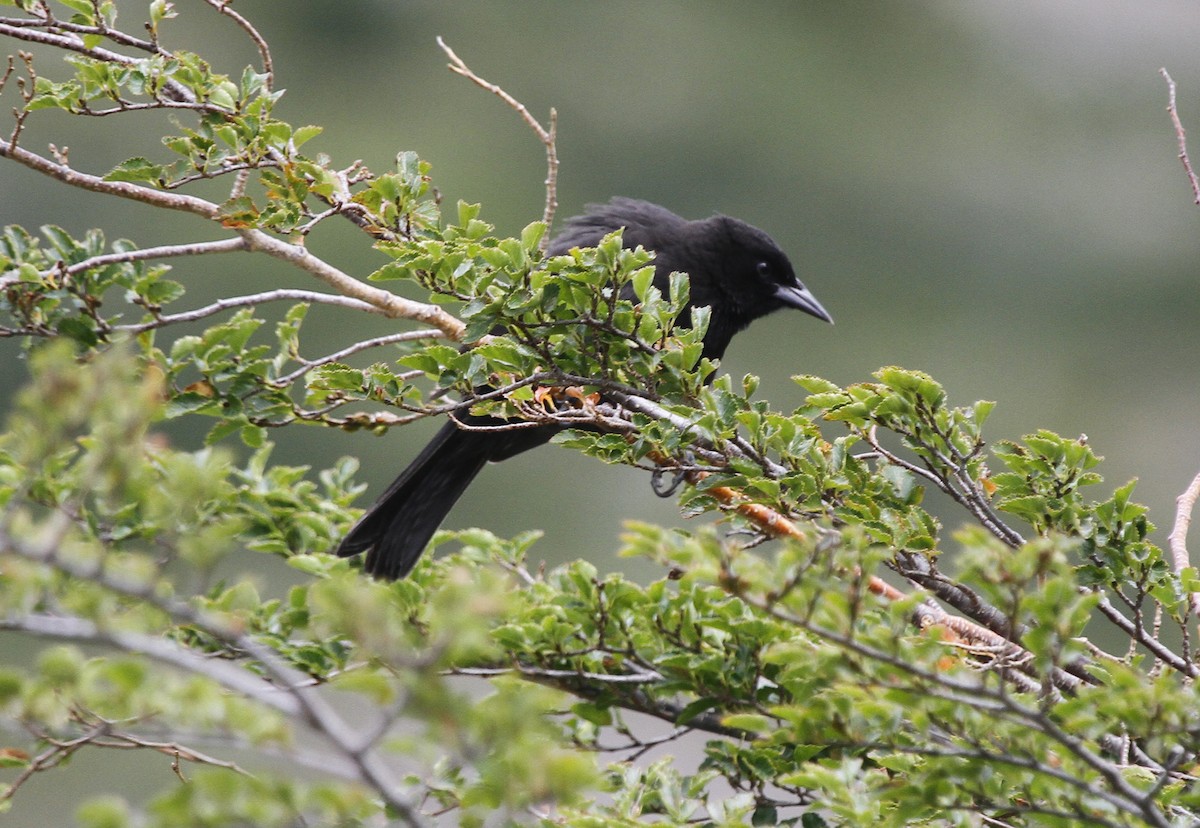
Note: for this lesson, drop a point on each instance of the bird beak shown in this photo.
(798, 296)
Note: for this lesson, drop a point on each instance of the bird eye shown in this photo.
(764, 269)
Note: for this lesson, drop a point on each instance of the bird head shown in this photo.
(758, 276)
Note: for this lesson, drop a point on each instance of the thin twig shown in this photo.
(546, 136)
(529, 671)
(1178, 537)
(166, 251)
(1181, 135)
(253, 300)
(75, 43)
(264, 51)
(227, 674)
(389, 339)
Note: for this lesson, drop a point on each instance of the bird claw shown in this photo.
(670, 486)
(678, 477)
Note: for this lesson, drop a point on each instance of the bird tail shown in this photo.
(395, 531)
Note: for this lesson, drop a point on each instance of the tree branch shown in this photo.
(260, 43)
(388, 303)
(1181, 136)
(255, 299)
(162, 650)
(92, 183)
(310, 706)
(546, 136)
(1178, 537)
(366, 344)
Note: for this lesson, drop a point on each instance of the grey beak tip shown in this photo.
(801, 298)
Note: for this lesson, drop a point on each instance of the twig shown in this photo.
(162, 650)
(1181, 135)
(966, 494)
(166, 251)
(529, 671)
(252, 300)
(1140, 635)
(546, 136)
(389, 339)
(1178, 537)
(52, 756)
(264, 51)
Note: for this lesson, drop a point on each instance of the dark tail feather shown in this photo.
(397, 528)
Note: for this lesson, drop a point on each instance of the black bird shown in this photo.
(735, 269)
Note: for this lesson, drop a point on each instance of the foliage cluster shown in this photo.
(839, 675)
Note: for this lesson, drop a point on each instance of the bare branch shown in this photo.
(162, 650)
(966, 492)
(366, 344)
(103, 30)
(255, 299)
(264, 51)
(54, 755)
(1140, 635)
(1173, 111)
(1178, 537)
(74, 43)
(389, 304)
(548, 137)
(529, 671)
(96, 184)
(166, 251)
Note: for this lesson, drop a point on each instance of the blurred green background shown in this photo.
(985, 191)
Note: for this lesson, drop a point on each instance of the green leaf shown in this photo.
(239, 212)
(108, 811)
(254, 436)
(376, 686)
(138, 170)
(187, 403)
(467, 213)
(160, 10)
(641, 281)
(596, 714)
(304, 134)
(83, 7)
(335, 376)
(696, 708)
(82, 330)
(162, 292)
(751, 722)
(532, 235)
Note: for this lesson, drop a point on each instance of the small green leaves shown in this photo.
(160, 10)
(532, 236)
(304, 134)
(1047, 472)
(48, 94)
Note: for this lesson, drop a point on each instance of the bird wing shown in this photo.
(644, 224)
